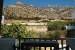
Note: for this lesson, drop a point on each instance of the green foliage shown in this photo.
(40, 35)
(4, 30)
(65, 33)
(16, 30)
(57, 25)
(57, 33)
(54, 34)
(50, 35)
(72, 22)
(30, 34)
(19, 30)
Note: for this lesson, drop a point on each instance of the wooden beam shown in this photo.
(1, 7)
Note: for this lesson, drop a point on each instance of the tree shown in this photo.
(56, 25)
(16, 30)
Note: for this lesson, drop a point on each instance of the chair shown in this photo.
(7, 43)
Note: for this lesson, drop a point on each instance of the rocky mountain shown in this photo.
(21, 11)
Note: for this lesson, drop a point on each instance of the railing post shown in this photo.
(62, 43)
(51, 47)
(27, 48)
(19, 43)
(67, 47)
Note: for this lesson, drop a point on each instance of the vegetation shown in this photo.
(58, 28)
(50, 34)
(57, 25)
(57, 33)
(71, 22)
(16, 30)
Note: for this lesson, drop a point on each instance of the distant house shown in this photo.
(73, 15)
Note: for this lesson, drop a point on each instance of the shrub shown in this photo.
(16, 30)
(4, 30)
(57, 33)
(65, 33)
(49, 34)
(72, 22)
(57, 25)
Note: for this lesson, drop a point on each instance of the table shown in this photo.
(40, 44)
(7, 43)
(70, 43)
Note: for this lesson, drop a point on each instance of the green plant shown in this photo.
(57, 33)
(49, 35)
(65, 33)
(71, 22)
(4, 30)
(16, 30)
(56, 25)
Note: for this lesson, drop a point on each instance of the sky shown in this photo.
(41, 3)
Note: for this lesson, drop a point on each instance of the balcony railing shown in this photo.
(61, 42)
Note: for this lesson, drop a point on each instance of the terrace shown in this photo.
(36, 43)
(62, 42)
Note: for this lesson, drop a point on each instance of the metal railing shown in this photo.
(61, 41)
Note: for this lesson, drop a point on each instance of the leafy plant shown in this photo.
(57, 33)
(16, 30)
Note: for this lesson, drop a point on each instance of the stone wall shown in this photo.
(37, 28)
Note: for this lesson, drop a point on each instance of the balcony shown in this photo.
(60, 41)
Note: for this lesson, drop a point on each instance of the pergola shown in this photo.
(1, 7)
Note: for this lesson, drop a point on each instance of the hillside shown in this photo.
(21, 11)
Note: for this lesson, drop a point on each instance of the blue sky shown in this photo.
(41, 3)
